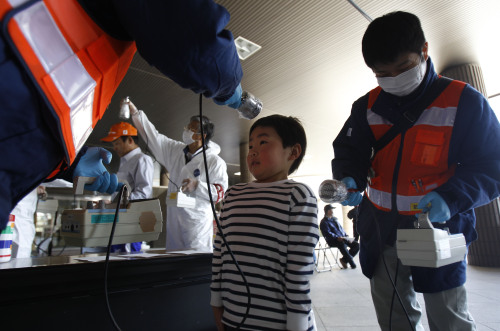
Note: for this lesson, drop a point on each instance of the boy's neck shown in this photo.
(269, 180)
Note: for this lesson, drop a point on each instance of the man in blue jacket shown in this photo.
(444, 161)
(184, 39)
(335, 236)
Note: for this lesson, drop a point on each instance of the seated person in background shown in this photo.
(335, 236)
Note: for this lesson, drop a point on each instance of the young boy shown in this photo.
(271, 227)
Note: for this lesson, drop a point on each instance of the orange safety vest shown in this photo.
(76, 66)
(424, 158)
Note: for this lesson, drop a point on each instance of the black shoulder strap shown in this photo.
(411, 116)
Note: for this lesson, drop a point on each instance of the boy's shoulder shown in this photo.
(289, 184)
(302, 188)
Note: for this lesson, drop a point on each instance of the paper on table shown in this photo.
(98, 258)
(145, 255)
(187, 252)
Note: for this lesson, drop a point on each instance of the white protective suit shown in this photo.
(187, 228)
(24, 225)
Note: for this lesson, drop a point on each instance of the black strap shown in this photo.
(411, 116)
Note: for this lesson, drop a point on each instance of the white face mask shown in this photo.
(406, 82)
(187, 137)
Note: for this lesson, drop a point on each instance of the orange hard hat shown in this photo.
(120, 129)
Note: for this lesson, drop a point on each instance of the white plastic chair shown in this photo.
(323, 248)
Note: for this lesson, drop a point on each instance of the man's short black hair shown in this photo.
(208, 126)
(290, 131)
(135, 138)
(390, 35)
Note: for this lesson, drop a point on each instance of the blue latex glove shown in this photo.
(234, 101)
(353, 198)
(91, 165)
(438, 210)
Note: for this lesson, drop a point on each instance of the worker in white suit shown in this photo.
(187, 228)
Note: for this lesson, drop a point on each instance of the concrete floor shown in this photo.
(342, 301)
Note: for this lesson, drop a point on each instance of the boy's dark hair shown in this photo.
(208, 126)
(290, 131)
(135, 138)
(390, 35)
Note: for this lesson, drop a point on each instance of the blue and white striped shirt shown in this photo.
(272, 230)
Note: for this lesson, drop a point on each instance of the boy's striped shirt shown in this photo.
(272, 230)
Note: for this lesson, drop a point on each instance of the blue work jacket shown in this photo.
(331, 229)
(184, 39)
(475, 152)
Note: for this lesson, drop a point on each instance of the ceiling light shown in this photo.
(237, 173)
(245, 47)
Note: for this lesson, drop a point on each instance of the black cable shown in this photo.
(51, 237)
(372, 209)
(38, 248)
(62, 250)
(393, 295)
(106, 263)
(219, 227)
(49, 250)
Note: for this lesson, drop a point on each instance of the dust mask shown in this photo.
(187, 137)
(406, 82)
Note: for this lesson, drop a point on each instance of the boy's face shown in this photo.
(267, 160)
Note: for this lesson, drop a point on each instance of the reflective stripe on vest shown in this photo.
(424, 160)
(75, 65)
(406, 204)
(433, 116)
